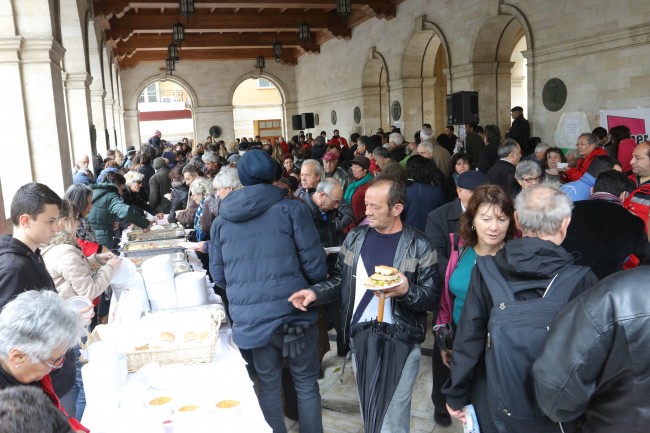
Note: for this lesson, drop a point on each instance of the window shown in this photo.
(263, 83)
(152, 94)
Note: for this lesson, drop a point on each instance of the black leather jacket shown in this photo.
(595, 365)
(415, 258)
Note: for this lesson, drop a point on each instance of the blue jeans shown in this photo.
(79, 394)
(304, 369)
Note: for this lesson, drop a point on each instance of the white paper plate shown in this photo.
(368, 285)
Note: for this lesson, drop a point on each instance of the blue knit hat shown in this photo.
(256, 166)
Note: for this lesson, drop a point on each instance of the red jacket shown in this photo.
(46, 386)
(582, 165)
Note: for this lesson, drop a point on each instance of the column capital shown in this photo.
(38, 50)
(108, 102)
(131, 113)
(10, 48)
(78, 80)
(98, 94)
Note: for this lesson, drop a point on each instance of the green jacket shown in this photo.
(107, 208)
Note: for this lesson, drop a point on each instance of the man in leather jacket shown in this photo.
(596, 361)
(385, 241)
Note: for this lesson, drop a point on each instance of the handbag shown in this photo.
(444, 335)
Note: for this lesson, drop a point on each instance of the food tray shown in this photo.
(153, 248)
(176, 257)
(201, 353)
(153, 235)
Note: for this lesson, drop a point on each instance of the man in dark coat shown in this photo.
(441, 222)
(502, 173)
(595, 367)
(160, 185)
(520, 129)
(602, 232)
(265, 248)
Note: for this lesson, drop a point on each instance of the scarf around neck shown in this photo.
(352, 188)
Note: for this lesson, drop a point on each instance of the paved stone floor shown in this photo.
(341, 405)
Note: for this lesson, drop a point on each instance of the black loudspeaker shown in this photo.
(462, 107)
(296, 122)
(307, 120)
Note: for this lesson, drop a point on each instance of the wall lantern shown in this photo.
(178, 33)
(343, 7)
(304, 31)
(186, 8)
(260, 63)
(277, 50)
(171, 65)
(172, 52)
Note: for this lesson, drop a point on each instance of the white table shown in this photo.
(226, 375)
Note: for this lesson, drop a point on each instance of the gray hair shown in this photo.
(26, 408)
(591, 138)
(202, 185)
(210, 157)
(506, 147)
(318, 169)
(327, 185)
(77, 194)
(542, 209)
(397, 139)
(133, 177)
(541, 147)
(527, 167)
(426, 145)
(227, 178)
(38, 323)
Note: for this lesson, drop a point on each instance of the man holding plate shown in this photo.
(385, 241)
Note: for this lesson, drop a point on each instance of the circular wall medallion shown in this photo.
(316, 119)
(554, 94)
(357, 115)
(396, 110)
(333, 117)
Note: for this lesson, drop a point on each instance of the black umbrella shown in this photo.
(380, 355)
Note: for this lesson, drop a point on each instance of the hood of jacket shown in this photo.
(531, 259)
(10, 245)
(249, 202)
(61, 238)
(102, 189)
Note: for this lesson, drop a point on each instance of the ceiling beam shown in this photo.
(208, 40)
(122, 28)
(289, 56)
(111, 8)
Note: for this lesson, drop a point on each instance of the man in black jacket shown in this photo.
(385, 241)
(602, 233)
(34, 216)
(502, 173)
(596, 361)
(520, 129)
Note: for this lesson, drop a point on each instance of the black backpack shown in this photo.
(516, 333)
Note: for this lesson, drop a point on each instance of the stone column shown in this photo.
(16, 170)
(412, 108)
(504, 89)
(110, 122)
(77, 89)
(99, 118)
(371, 109)
(44, 103)
(132, 128)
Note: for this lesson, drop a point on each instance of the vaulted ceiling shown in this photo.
(141, 30)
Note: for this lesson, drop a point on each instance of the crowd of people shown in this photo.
(476, 229)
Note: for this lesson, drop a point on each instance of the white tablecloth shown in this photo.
(225, 376)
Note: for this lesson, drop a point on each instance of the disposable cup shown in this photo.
(79, 303)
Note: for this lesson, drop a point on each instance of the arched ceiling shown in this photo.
(140, 30)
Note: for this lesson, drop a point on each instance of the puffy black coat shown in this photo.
(596, 360)
(159, 185)
(264, 249)
(179, 201)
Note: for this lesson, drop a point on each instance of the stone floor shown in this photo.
(341, 405)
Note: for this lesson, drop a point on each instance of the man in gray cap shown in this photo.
(520, 129)
(264, 249)
(442, 222)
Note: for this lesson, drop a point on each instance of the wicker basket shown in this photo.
(201, 353)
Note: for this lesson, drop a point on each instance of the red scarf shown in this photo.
(46, 386)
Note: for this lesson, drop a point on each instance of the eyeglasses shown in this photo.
(531, 179)
(58, 363)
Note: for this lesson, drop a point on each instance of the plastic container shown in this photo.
(79, 303)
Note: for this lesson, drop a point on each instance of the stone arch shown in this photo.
(376, 93)
(133, 103)
(425, 77)
(493, 46)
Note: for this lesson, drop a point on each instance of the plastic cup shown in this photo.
(79, 303)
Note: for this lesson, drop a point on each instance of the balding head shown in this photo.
(543, 211)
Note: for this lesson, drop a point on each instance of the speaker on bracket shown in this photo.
(462, 107)
(307, 120)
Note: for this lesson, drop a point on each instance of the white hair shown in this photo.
(37, 323)
(202, 185)
(542, 209)
(527, 167)
(397, 139)
(227, 178)
(133, 177)
(210, 157)
(327, 185)
(426, 133)
(318, 169)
